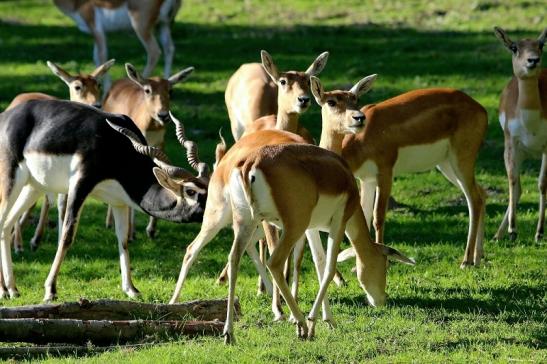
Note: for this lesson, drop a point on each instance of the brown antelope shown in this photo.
(412, 132)
(97, 17)
(67, 147)
(258, 96)
(83, 88)
(523, 118)
(269, 175)
(147, 102)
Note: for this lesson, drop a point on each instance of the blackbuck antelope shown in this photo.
(523, 118)
(258, 96)
(269, 176)
(97, 17)
(66, 147)
(83, 88)
(412, 132)
(147, 102)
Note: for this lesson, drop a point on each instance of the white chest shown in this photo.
(530, 129)
(155, 138)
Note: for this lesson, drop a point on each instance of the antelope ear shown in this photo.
(166, 182)
(317, 90)
(504, 38)
(396, 255)
(61, 73)
(541, 38)
(269, 65)
(133, 74)
(364, 85)
(180, 76)
(317, 66)
(102, 69)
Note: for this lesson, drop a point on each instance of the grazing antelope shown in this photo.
(523, 118)
(263, 178)
(147, 102)
(66, 147)
(83, 88)
(97, 17)
(412, 132)
(258, 96)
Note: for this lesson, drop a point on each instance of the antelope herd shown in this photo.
(273, 184)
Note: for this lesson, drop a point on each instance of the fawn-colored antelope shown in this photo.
(269, 175)
(67, 147)
(83, 88)
(258, 96)
(523, 118)
(147, 102)
(97, 17)
(412, 132)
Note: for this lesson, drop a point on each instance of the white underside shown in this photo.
(529, 129)
(109, 20)
(55, 174)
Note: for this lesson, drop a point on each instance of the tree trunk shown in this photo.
(122, 310)
(100, 332)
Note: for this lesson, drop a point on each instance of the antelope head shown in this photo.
(526, 53)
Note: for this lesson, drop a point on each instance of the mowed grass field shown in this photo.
(436, 312)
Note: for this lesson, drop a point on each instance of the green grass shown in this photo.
(436, 311)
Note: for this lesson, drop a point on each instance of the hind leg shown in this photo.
(542, 186)
(476, 204)
(42, 225)
(121, 223)
(28, 197)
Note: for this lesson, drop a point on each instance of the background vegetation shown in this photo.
(437, 312)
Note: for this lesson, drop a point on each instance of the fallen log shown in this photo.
(207, 310)
(39, 352)
(101, 332)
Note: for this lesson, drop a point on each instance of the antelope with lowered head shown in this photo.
(269, 175)
(97, 17)
(147, 102)
(64, 147)
(523, 118)
(413, 132)
(83, 88)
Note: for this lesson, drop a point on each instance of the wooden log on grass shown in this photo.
(101, 332)
(207, 310)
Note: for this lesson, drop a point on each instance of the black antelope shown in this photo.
(64, 147)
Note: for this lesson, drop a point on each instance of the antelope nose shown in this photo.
(359, 118)
(164, 115)
(533, 61)
(303, 99)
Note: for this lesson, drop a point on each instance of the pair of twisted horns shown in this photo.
(161, 159)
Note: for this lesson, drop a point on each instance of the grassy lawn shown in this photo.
(436, 311)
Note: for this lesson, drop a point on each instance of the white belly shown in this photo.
(52, 172)
(420, 158)
(112, 19)
(530, 129)
(110, 191)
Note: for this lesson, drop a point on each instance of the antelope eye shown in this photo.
(331, 103)
(513, 48)
(77, 87)
(147, 91)
(283, 82)
(190, 193)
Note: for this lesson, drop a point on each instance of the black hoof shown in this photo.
(513, 236)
